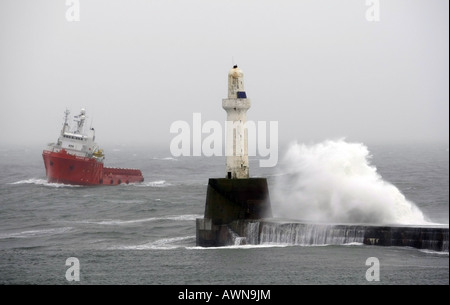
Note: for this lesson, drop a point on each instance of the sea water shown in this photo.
(145, 233)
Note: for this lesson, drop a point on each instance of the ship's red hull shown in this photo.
(61, 167)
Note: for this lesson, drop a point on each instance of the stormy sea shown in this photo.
(145, 233)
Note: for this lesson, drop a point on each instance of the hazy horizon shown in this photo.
(319, 68)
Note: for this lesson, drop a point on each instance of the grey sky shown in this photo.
(318, 67)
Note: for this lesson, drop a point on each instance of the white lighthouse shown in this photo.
(236, 106)
(237, 196)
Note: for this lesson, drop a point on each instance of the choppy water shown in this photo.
(145, 233)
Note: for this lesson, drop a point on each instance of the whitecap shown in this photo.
(353, 244)
(240, 247)
(433, 252)
(187, 217)
(43, 182)
(160, 244)
(165, 159)
(35, 233)
(158, 183)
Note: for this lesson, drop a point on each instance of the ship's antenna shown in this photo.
(66, 117)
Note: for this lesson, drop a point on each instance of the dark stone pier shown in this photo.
(238, 212)
(229, 200)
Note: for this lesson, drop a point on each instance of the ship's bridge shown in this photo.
(77, 141)
(73, 136)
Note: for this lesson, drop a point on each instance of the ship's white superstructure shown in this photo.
(77, 141)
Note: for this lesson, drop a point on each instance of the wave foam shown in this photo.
(187, 217)
(161, 244)
(434, 252)
(43, 182)
(333, 181)
(165, 159)
(267, 245)
(35, 233)
(159, 183)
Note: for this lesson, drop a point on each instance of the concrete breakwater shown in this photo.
(238, 211)
(276, 231)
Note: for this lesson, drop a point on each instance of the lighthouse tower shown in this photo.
(232, 200)
(236, 106)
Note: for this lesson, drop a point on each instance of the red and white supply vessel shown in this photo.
(77, 159)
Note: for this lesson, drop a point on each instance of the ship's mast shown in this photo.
(66, 118)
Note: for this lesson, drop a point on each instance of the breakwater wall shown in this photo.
(276, 231)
